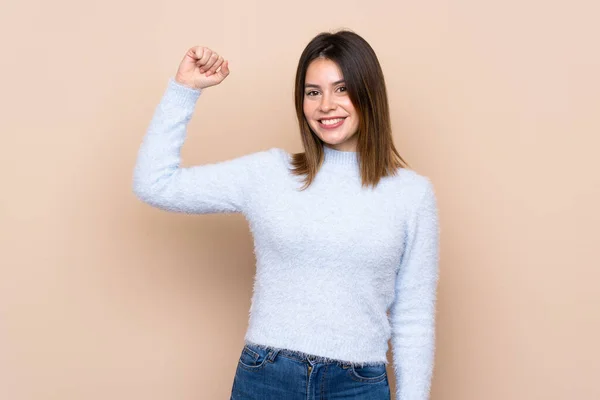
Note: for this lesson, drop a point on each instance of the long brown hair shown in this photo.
(377, 155)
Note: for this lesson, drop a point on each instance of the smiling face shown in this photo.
(327, 106)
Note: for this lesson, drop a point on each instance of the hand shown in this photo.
(201, 68)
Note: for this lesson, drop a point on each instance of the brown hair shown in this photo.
(377, 155)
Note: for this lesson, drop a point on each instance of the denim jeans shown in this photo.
(271, 374)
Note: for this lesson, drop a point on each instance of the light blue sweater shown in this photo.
(331, 260)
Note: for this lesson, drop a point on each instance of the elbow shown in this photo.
(154, 192)
(148, 194)
(144, 189)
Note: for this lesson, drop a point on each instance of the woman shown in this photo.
(344, 232)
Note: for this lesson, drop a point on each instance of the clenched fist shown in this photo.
(201, 68)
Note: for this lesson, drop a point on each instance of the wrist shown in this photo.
(185, 83)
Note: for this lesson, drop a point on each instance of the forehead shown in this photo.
(323, 71)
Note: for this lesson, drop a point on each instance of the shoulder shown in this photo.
(412, 191)
(279, 155)
(410, 183)
(273, 158)
(277, 158)
(268, 163)
(268, 156)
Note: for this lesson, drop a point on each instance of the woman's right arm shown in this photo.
(158, 179)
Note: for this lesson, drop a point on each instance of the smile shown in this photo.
(331, 123)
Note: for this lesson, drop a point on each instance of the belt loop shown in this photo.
(272, 354)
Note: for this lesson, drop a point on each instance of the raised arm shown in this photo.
(158, 178)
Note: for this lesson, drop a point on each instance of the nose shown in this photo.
(326, 103)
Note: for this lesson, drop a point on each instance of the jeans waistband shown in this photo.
(305, 357)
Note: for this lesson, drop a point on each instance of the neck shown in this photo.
(339, 157)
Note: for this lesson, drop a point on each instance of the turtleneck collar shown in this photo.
(337, 157)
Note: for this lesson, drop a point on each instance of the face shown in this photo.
(327, 106)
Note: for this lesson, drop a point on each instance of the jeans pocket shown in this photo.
(368, 373)
(253, 357)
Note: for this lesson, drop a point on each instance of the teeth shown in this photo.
(331, 121)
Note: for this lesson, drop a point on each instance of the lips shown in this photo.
(331, 123)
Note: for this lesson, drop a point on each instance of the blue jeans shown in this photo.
(270, 374)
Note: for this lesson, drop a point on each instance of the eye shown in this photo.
(312, 93)
(342, 88)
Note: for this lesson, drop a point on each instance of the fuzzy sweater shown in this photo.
(331, 261)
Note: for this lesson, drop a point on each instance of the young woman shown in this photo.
(344, 232)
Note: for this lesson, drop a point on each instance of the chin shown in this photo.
(334, 140)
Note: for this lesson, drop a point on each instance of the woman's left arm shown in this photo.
(413, 311)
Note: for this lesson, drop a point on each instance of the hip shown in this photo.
(265, 373)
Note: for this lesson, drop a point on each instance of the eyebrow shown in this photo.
(312, 85)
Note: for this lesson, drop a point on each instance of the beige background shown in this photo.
(102, 297)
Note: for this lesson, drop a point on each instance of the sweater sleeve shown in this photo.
(158, 179)
(413, 311)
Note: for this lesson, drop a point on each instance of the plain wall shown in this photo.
(103, 297)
